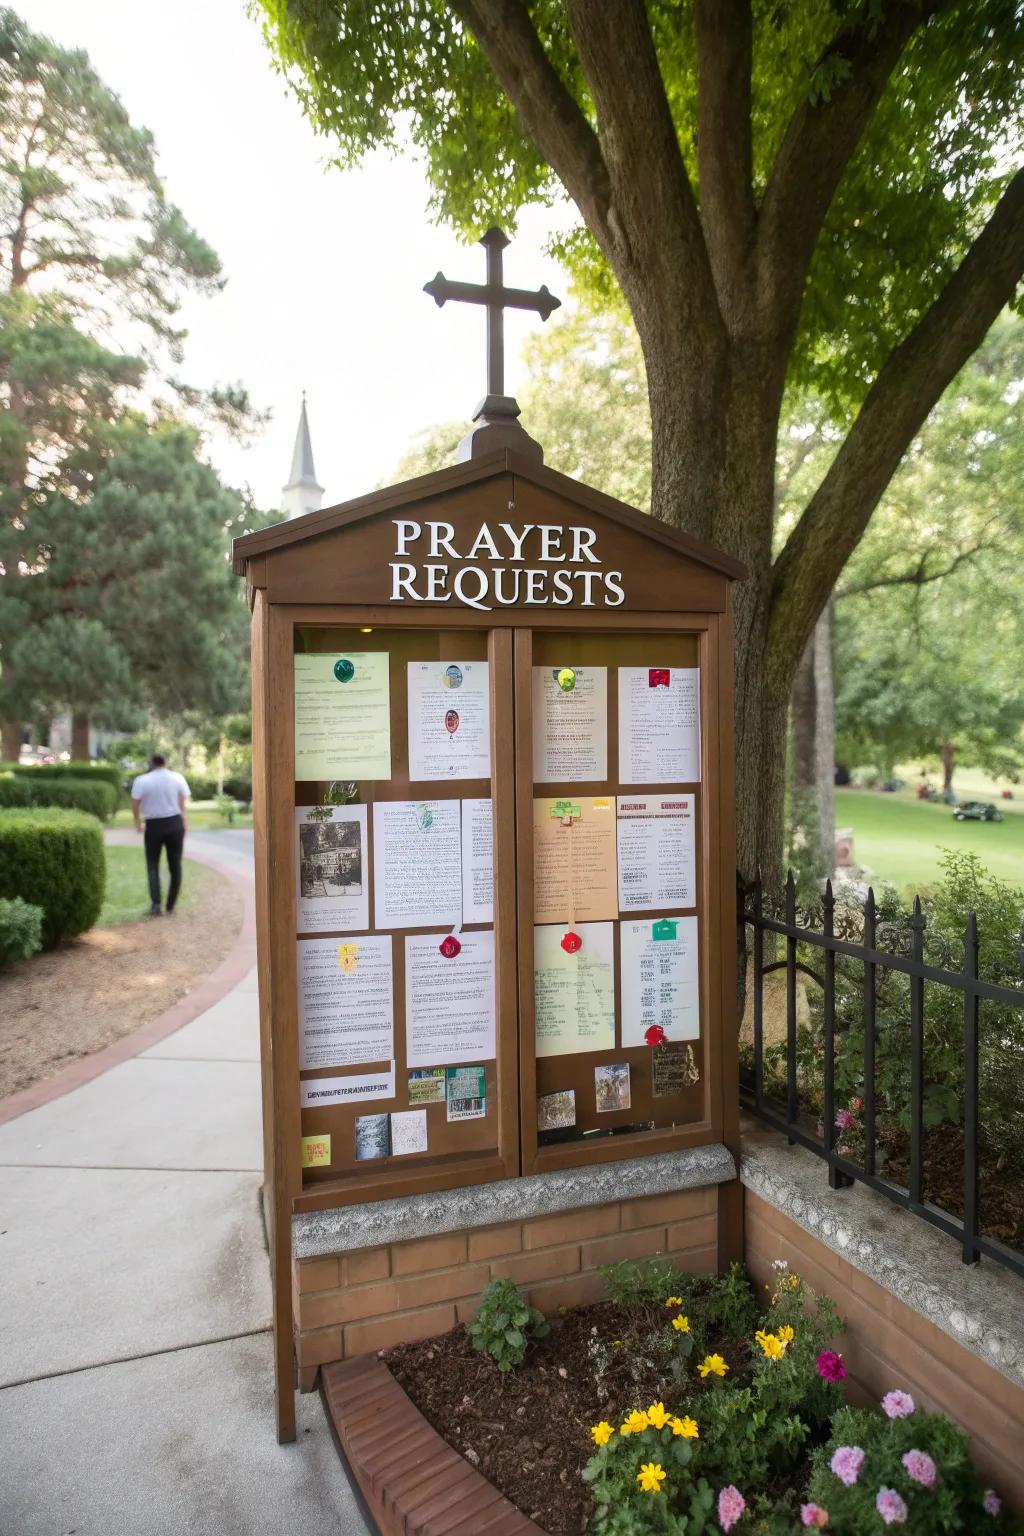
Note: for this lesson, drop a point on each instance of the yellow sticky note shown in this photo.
(348, 956)
(316, 1151)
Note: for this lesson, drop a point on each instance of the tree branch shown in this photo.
(918, 576)
(817, 146)
(724, 31)
(662, 249)
(550, 115)
(908, 385)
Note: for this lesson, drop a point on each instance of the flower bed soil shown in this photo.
(527, 1431)
(1001, 1191)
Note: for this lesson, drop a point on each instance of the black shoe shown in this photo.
(170, 911)
(154, 910)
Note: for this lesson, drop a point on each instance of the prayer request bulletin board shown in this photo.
(493, 793)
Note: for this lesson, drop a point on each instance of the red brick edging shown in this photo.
(413, 1482)
(236, 964)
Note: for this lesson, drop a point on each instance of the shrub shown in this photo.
(916, 1467)
(239, 787)
(96, 796)
(202, 785)
(109, 773)
(227, 809)
(502, 1323)
(21, 930)
(54, 859)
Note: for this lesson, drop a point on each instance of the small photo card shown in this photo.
(555, 1111)
(427, 1085)
(373, 1136)
(316, 1151)
(467, 1093)
(408, 1131)
(673, 1068)
(611, 1087)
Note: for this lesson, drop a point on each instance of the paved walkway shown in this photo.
(135, 1352)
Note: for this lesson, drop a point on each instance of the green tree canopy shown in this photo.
(815, 195)
(135, 608)
(90, 248)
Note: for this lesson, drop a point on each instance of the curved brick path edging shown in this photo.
(237, 963)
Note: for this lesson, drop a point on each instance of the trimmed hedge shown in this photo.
(54, 859)
(97, 797)
(110, 773)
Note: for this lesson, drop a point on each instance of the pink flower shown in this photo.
(846, 1463)
(919, 1466)
(830, 1366)
(991, 1503)
(844, 1119)
(731, 1505)
(813, 1514)
(898, 1405)
(891, 1507)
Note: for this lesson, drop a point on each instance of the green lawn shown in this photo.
(127, 897)
(201, 815)
(900, 839)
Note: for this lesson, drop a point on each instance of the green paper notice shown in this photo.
(342, 727)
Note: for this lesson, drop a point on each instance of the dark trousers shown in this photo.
(164, 832)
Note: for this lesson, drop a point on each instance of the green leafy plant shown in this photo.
(226, 807)
(636, 1283)
(915, 1465)
(645, 1477)
(54, 859)
(21, 930)
(504, 1323)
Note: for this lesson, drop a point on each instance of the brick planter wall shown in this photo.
(357, 1303)
(888, 1344)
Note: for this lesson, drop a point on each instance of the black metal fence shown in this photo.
(785, 1114)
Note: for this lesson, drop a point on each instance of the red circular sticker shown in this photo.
(571, 942)
(655, 1035)
(451, 721)
(450, 947)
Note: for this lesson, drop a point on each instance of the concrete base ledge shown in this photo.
(980, 1306)
(317, 1234)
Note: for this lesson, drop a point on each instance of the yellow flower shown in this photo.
(686, 1427)
(673, 1301)
(650, 1477)
(786, 1334)
(681, 1324)
(657, 1416)
(601, 1433)
(712, 1365)
(636, 1423)
(792, 1282)
(773, 1347)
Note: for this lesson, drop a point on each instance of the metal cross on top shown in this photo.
(497, 298)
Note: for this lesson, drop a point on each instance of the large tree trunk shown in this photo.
(10, 741)
(814, 736)
(948, 764)
(80, 738)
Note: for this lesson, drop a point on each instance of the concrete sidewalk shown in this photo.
(135, 1351)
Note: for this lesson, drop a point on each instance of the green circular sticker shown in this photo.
(565, 677)
(344, 671)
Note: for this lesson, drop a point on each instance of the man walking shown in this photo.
(159, 798)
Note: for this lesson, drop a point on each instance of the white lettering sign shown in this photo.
(492, 572)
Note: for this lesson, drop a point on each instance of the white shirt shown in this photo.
(158, 793)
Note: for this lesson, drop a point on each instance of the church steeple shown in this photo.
(303, 493)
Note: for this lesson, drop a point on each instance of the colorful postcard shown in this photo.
(373, 1136)
(611, 1087)
(467, 1093)
(555, 1111)
(427, 1085)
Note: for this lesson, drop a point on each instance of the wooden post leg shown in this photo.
(730, 1225)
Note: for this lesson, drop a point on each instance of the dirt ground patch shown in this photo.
(76, 999)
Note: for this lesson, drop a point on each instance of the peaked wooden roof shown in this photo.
(309, 526)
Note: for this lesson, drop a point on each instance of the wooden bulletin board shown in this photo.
(504, 563)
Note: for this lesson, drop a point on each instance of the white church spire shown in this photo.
(303, 493)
